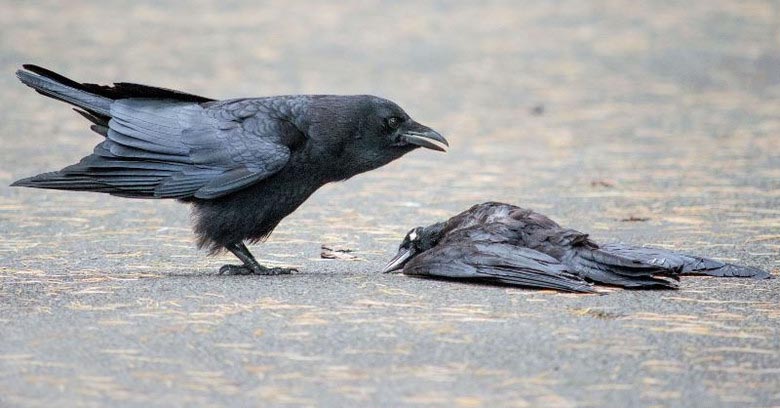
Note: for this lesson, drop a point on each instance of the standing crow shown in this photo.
(244, 164)
(508, 244)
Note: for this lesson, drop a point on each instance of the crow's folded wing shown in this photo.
(620, 269)
(496, 262)
(161, 148)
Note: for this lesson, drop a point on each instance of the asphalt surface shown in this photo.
(648, 122)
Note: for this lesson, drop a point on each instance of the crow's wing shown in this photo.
(687, 264)
(620, 269)
(495, 262)
(162, 148)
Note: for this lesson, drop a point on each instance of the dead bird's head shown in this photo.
(416, 241)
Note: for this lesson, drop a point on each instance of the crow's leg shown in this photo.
(250, 265)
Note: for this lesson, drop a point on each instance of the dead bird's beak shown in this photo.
(398, 260)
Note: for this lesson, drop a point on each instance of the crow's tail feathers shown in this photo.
(640, 267)
(688, 264)
(724, 270)
(56, 86)
(94, 100)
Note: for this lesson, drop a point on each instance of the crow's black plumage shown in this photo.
(508, 244)
(244, 164)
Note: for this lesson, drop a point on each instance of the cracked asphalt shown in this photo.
(654, 122)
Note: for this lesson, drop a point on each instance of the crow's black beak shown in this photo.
(398, 260)
(424, 136)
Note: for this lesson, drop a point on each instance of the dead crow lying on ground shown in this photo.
(497, 242)
(244, 164)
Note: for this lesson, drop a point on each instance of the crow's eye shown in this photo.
(393, 122)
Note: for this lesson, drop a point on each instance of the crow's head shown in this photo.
(416, 241)
(365, 132)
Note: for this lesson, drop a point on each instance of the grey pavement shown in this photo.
(651, 122)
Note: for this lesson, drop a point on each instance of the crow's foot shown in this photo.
(259, 270)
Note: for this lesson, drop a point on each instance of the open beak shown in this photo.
(424, 136)
(398, 260)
